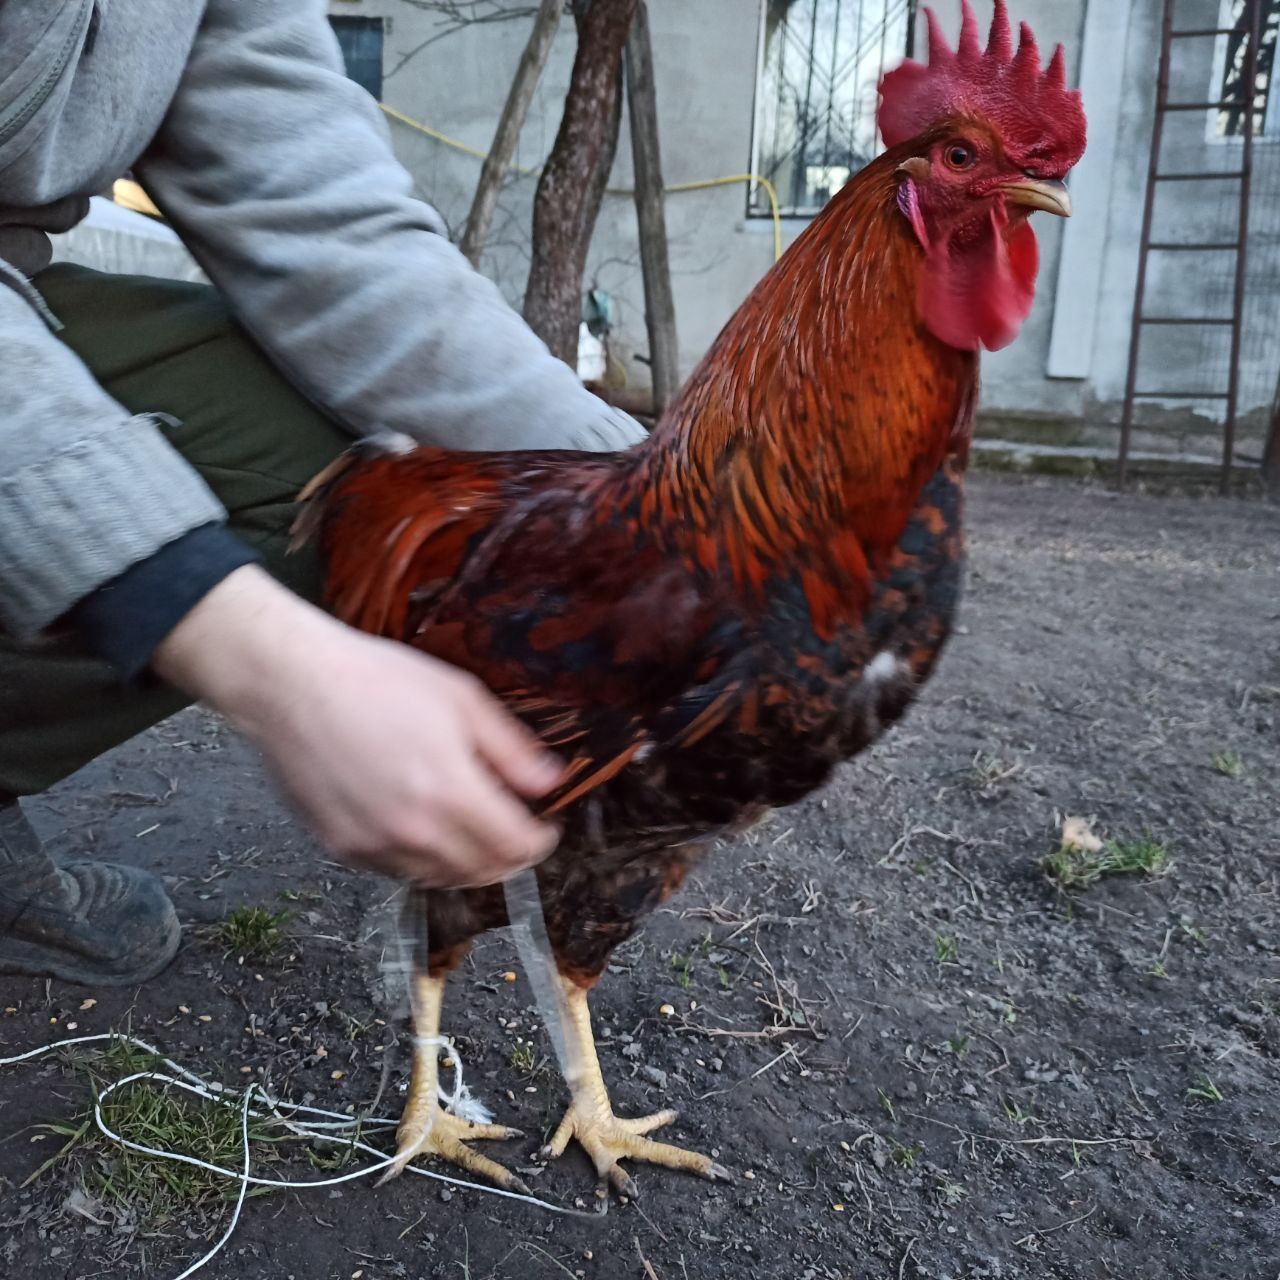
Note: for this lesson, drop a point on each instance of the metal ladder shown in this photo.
(1250, 24)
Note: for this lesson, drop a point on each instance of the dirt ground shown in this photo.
(919, 1058)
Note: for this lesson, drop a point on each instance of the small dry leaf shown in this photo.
(1078, 835)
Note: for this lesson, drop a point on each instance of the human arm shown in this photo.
(397, 762)
(278, 173)
(86, 489)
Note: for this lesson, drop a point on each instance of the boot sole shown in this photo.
(34, 961)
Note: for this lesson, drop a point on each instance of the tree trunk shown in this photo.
(498, 161)
(659, 305)
(574, 177)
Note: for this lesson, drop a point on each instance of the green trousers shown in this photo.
(158, 346)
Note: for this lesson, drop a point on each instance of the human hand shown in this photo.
(398, 762)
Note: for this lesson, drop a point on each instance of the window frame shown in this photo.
(362, 22)
(754, 213)
(1269, 135)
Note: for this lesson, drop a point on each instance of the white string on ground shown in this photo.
(324, 1130)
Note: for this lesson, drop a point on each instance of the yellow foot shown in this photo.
(608, 1139)
(447, 1138)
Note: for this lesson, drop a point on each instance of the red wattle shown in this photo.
(978, 284)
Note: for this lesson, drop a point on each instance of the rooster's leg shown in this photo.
(590, 1119)
(426, 1128)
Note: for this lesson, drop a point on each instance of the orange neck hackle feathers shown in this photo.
(821, 408)
(850, 372)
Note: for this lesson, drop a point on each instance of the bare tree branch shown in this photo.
(532, 61)
(659, 304)
(454, 16)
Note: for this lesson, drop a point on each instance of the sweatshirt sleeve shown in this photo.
(86, 490)
(278, 173)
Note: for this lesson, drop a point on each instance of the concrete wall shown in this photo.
(1071, 357)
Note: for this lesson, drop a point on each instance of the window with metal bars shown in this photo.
(1230, 72)
(819, 65)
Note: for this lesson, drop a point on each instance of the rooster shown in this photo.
(705, 625)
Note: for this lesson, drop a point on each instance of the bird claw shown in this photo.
(446, 1136)
(609, 1139)
(623, 1183)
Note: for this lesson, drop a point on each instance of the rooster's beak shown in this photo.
(1039, 193)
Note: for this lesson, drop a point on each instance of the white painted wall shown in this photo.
(1070, 359)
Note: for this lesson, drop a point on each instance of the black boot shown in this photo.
(83, 921)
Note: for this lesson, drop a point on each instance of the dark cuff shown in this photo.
(125, 619)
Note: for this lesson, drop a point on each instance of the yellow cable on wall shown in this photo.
(762, 182)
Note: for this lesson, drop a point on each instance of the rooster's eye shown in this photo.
(959, 156)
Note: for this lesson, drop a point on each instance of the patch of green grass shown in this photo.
(958, 1043)
(155, 1192)
(952, 1193)
(904, 1156)
(1072, 867)
(523, 1059)
(945, 950)
(1204, 1090)
(252, 930)
(1016, 1112)
(1227, 762)
(683, 966)
(886, 1105)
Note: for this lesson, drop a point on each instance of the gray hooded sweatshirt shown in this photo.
(277, 172)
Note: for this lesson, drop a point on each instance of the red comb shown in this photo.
(1038, 116)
